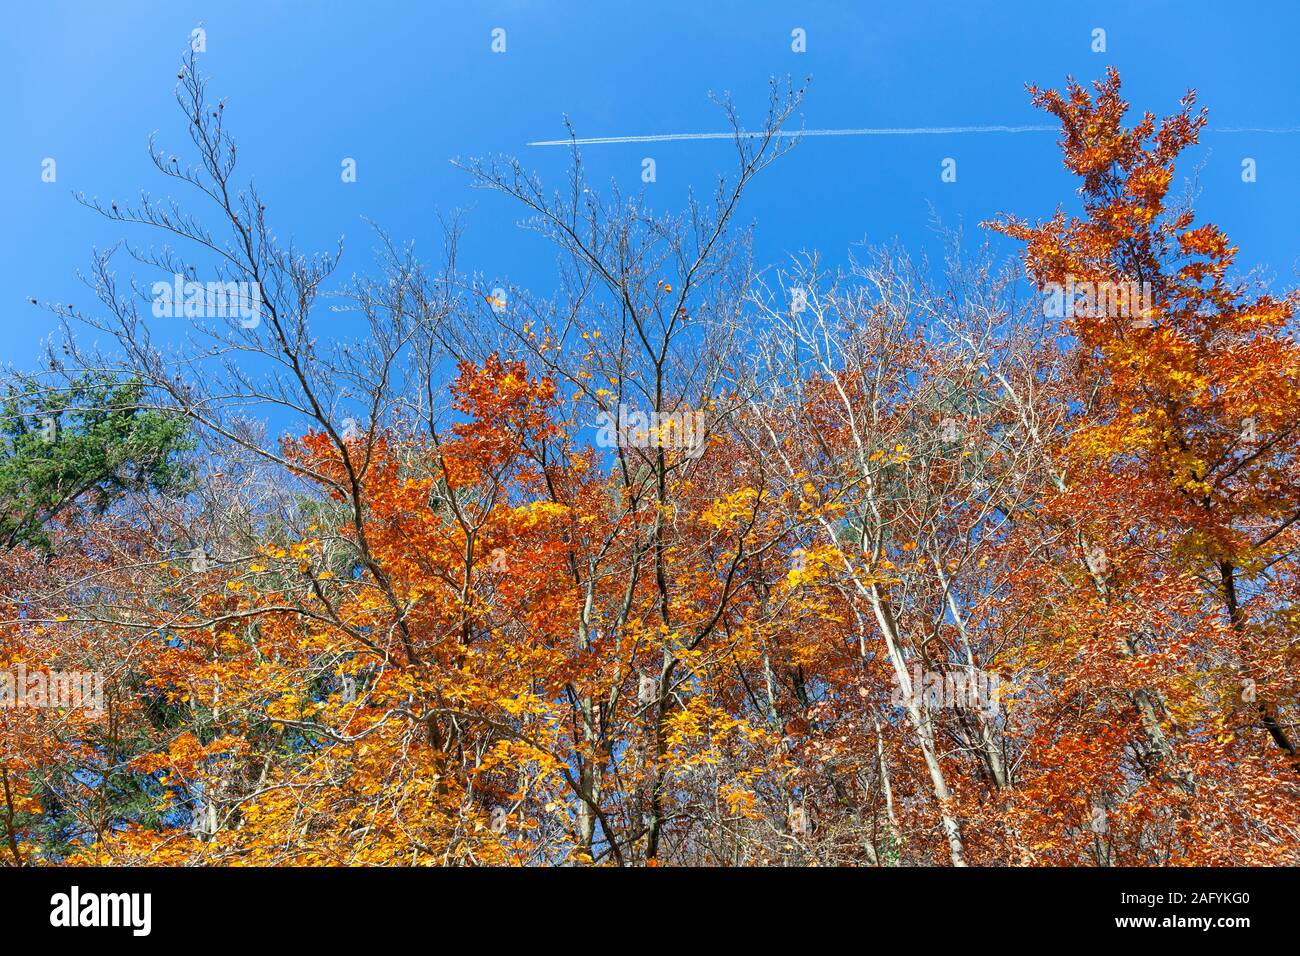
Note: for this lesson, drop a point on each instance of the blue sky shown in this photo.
(404, 87)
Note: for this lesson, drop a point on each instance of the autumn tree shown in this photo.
(683, 562)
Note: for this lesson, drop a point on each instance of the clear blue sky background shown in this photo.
(403, 87)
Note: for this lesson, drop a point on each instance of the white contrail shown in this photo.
(866, 131)
(863, 131)
(1254, 129)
